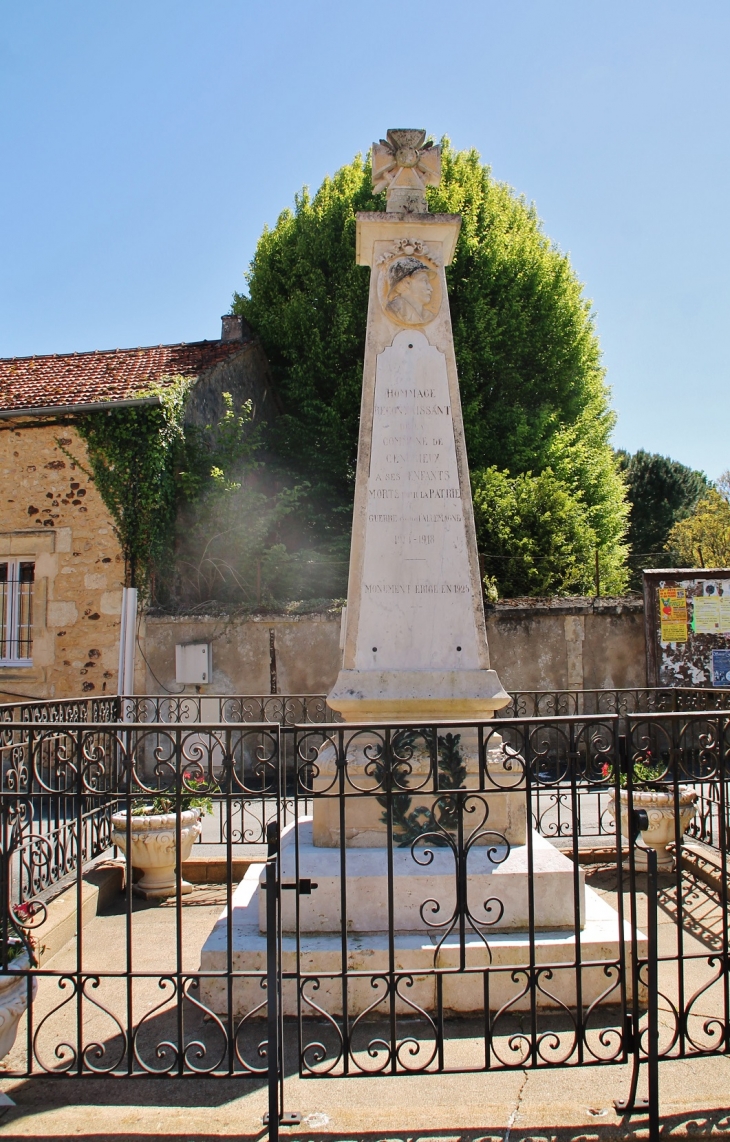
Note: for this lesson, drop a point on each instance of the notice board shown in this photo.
(687, 617)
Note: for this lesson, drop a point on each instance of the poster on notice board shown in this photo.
(673, 614)
(721, 668)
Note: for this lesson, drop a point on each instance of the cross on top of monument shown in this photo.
(404, 164)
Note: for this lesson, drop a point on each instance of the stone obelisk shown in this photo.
(415, 642)
(415, 652)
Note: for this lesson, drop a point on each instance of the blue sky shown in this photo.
(145, 143)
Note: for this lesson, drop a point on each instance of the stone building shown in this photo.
(61, 568)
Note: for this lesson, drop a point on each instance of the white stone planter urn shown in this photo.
(659, 808)
(154, 845)
(13, 1001)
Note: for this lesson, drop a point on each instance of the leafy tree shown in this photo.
(703, 538)
(536, 535)
(308, 304)
(661, 492)
(532, 385)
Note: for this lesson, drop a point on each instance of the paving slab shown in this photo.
(512, 1106)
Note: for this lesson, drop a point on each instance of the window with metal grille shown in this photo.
(16, 612)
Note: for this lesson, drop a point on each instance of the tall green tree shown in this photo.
(533, 389)
(661, 493)
(535, 535)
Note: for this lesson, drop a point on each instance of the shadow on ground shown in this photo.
(699, 1124)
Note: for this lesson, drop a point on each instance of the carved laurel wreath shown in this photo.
(412, 247)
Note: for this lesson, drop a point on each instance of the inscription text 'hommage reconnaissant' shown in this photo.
(412, 554)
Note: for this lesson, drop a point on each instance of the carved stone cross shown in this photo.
(404, 164)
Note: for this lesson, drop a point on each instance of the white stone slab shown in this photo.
(497, 887)
(414, 957)
(416, 609)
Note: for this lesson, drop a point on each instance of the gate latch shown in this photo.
(304, 886)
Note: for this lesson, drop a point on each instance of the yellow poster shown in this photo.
(673, 614)
(711, 614)
(706, 612)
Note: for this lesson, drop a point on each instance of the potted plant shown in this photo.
(21, 956)
(653, 793)
(153, 828)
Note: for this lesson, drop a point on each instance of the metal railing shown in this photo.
(285, 709)
(552, 810)
(637, 700)
(104, 709)
(292, 709)
(427, 889)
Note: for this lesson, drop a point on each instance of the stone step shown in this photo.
(424, 887)
(495, 974)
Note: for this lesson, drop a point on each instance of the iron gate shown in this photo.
(432, 899)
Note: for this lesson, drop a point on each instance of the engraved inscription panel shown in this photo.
(416, 608)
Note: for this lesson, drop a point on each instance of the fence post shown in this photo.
(652, 1009)
(276, 1115)
(272, 978)
(632, 1104)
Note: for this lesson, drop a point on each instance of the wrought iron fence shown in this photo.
(285, 709)
(639, 700)
(60, 790)
(292, 709)
(428, 906)
(53, 828)
(104, 709)
(552, 810)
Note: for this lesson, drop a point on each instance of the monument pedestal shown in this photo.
(419, 952)
(412, 695)
(502, 793)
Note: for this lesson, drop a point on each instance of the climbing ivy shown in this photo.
(134, 454)
(147, 464)
(196, 513)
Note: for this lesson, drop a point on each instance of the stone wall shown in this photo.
(534, 645)
(53, 515)
(245, 376)
(568, 644)
(300, 653)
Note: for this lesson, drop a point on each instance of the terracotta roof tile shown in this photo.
(109, 374)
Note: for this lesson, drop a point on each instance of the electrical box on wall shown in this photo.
(193, 662)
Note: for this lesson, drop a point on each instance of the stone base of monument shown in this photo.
(497, 808)
(497, 887)
(410, 695)
(498, 900)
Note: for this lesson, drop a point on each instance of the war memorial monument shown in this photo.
(415, 654)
